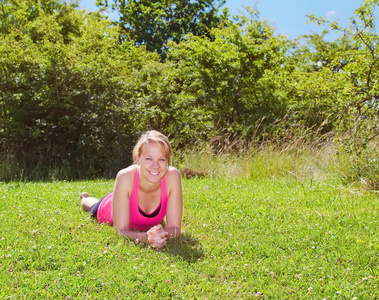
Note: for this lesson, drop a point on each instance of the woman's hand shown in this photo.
(157, 236)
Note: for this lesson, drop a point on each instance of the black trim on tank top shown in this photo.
(153, 214)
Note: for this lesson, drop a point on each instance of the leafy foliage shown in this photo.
(224, 81)
(357, 70)
(77, 89)
(62, 98)
(154, 22)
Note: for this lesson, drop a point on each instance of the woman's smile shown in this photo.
(153, 162)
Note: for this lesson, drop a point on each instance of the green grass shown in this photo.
(241, 236)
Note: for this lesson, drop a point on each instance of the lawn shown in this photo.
(243, 238)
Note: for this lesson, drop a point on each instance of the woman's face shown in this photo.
(153, 162)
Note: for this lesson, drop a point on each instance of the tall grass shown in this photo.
(315, 161)
(258, 163)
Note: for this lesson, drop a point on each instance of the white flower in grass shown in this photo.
(310, 289)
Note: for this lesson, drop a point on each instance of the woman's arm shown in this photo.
(121, 208)
(174, 204)
(134, 235)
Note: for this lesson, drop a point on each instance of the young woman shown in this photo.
(143, 195)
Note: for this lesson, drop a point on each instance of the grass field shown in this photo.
(243, 238)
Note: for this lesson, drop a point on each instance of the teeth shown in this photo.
(152, 173)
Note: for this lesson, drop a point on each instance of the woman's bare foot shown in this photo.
(87, 202)
(84, 195)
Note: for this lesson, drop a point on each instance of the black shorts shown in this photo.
(95, 207)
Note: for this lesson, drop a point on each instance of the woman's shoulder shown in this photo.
(172, 176)
(127, 173)
(172, 172)
(173, 183)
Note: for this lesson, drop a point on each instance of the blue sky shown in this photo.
(288, 16)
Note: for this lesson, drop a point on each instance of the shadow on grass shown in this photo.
(187, 247)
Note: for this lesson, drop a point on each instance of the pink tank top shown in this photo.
(137, 220)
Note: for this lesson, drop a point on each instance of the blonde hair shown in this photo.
(156, 137)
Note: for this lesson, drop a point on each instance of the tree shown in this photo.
(154, 22)
(225, 87)
(358, 75)
(65, 111)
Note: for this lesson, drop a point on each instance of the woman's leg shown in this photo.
(87, 201)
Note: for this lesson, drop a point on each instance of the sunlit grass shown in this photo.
(285, 238)
(261, 163)
(322, 163)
